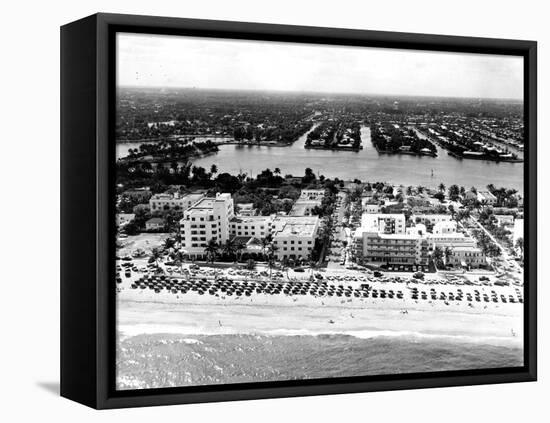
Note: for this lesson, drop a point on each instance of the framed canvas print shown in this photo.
(255, 211)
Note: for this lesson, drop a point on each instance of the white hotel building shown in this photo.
(254, 226)
(384, 239)
(205, 220)
(294, 236)
(214, 219)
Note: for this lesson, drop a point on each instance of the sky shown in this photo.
(146, 60)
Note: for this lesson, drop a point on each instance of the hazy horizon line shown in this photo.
(161, 87)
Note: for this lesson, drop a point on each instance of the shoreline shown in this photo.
(140, 312)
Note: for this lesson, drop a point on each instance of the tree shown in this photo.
(266, 242)
(462, 215)
(155, 256)
(271, 250)
(285, 264)
(437, 255)
(442, 187)
(169, 243)
(213, 169)
(448, 252)
(309, 176)
(452, 210)
(239, 249)
(179, 259)
(211, 250)
(229, 248)
(454, 192)
(440, 196)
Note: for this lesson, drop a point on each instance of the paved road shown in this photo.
(509, 259)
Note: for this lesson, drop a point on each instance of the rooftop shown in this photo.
(302, 226)
(249, 219)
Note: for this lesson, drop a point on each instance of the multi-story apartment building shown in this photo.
(254, 226)
(176, 201)
(205, 220)
(383, 223)
(393, 249)
(383, 242)
(294, 236)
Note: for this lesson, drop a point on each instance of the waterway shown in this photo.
(366, 165)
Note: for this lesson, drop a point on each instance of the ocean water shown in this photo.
(171, 360)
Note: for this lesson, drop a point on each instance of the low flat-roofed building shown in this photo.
(122, 219)
(304, 207)
(370, 207)
(140, 194)
(154, 224)
(451, 240)
(432, 219)
(467, 257)
(312, 194)
(486, 197)
(504, 219)
(176, 201)
(294, 236)
(245, 209)
(444, 227)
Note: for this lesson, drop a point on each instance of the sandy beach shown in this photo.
(146, 312)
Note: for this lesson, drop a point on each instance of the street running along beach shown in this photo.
(170, 340)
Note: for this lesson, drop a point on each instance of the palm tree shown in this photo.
(211, 250)
(213, 169)
(155, 256)
(271, 250)
(285, 264)
(452, 211)
(448, 252)
(239, 249)
(266, 242)
(169, 243)
(437, 255)
(277, 171)
(178, 238)
(179, 258)
(229, 248)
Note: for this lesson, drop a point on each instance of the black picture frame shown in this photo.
(88, 224)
